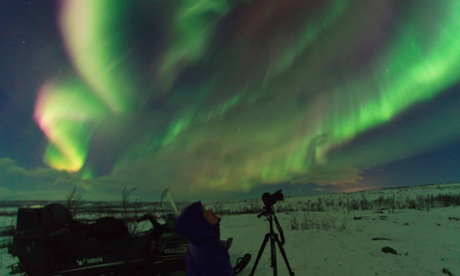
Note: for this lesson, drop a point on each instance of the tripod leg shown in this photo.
(273, 240)
(261, 250)
(283, 253)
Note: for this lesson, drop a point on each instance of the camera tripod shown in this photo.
(274, 240)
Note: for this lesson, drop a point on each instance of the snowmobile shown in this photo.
(48, 241)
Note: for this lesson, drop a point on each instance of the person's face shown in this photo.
(211, 217)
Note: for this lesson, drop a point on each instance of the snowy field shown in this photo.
(346, 234)
(426, 243)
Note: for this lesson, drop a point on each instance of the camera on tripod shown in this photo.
(270, 199)
(272, 236)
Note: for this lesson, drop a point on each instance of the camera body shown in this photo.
(270, 199)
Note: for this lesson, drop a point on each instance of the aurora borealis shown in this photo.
(229, 97)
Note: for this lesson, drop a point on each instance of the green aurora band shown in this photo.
(268, 105)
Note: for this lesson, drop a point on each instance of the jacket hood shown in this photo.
(193, 226)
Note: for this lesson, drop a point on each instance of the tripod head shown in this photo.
(268, 211)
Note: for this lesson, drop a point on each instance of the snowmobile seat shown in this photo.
(109, 228)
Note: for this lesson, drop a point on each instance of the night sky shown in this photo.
(226, 99)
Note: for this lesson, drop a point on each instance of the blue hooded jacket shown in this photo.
(206, 254)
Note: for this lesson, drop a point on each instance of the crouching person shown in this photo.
(206, 254)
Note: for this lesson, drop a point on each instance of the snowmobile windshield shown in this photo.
(169, 209)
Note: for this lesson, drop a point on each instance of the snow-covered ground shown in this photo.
(340, 240)
(425, 242)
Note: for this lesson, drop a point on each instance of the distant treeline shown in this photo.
(347, 203)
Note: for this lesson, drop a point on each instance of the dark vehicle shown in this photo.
(47, 241)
